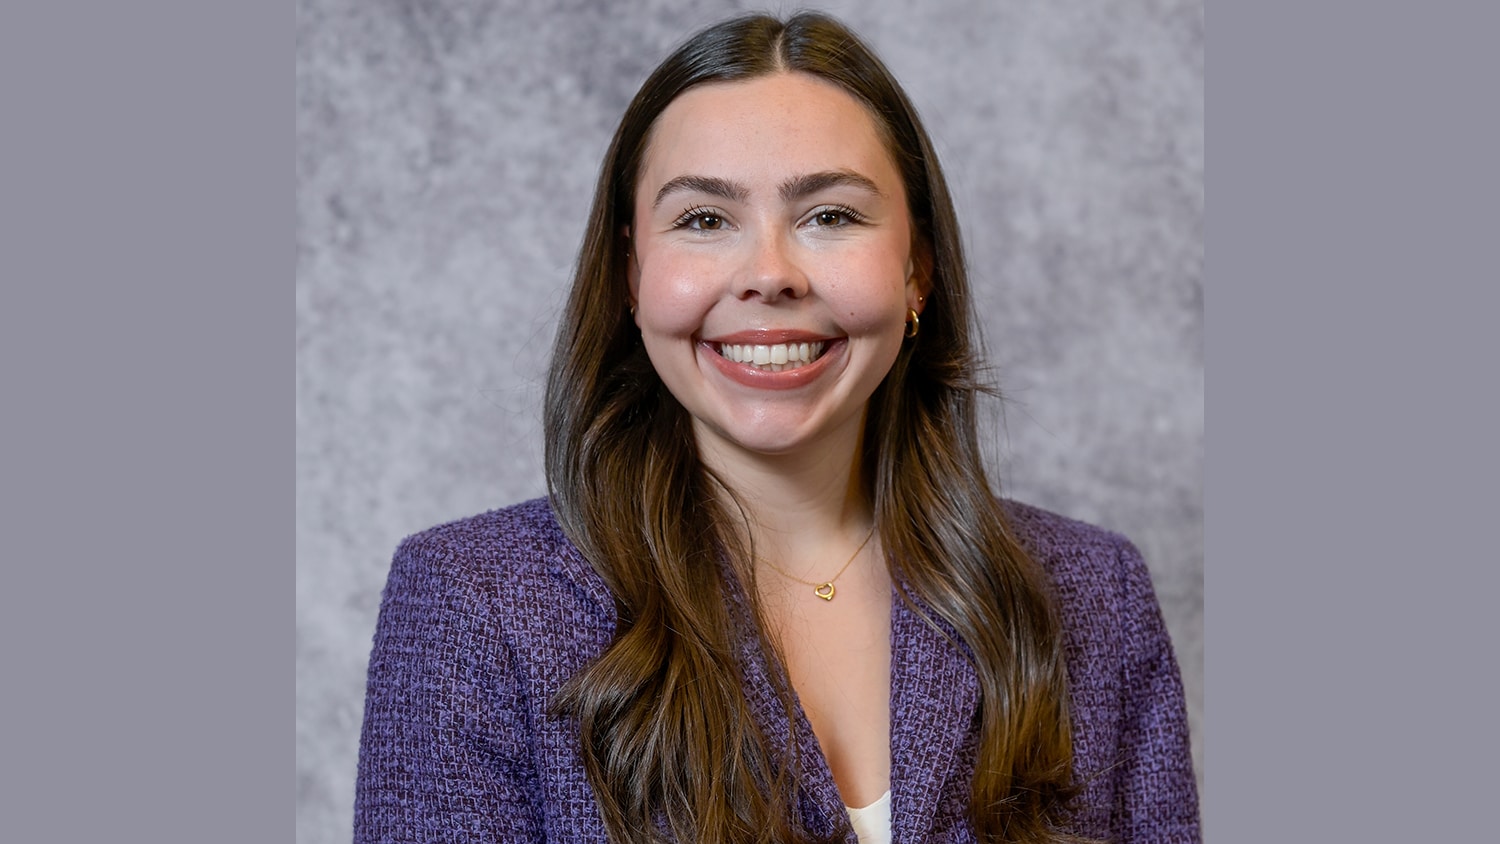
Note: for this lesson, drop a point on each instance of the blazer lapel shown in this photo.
(934, 697)
(821, 808)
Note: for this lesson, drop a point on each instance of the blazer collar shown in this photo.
(567, 563)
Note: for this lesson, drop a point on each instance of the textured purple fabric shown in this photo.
(484, 619)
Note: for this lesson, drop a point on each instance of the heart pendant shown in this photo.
(825, 591)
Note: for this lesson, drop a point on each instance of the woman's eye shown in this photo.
(702, 219)
(835, 217)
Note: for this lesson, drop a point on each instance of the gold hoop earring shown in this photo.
(913, 324)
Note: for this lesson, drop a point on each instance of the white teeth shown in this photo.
(777, 358)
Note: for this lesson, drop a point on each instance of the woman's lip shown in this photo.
(787, 379)
(768, 337)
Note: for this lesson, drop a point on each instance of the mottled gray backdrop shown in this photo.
(446, 154)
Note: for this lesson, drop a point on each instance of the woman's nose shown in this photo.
(773, 271)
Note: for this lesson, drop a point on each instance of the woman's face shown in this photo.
(771, 261)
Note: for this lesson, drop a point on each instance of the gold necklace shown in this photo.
(825, 589)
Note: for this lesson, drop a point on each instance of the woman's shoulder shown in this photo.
(1060, 542)
(520, 532)
(1096, 572)
(512, 557)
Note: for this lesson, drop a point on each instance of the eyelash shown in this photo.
(849, 214)
(698, 212)
(688, 217)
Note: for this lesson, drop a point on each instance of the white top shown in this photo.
(873, 823)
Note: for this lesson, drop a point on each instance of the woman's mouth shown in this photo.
(776, 357)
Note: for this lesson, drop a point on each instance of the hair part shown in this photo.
(667, 736)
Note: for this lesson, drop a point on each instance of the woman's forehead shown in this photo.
(764, 130)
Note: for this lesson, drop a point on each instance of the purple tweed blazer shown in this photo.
(484, 619)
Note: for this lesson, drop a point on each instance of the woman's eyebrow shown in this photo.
(799, 187)
(795, 188)
(712, 185)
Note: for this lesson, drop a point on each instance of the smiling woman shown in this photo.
(771, 596)
(769, 214)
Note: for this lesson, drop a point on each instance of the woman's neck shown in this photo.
(802, 507)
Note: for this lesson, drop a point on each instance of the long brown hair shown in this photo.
(667, 736)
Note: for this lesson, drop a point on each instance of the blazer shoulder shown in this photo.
(1087, 564)
(520, 534)
(502, 552)
(1056, 539)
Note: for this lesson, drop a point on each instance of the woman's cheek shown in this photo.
(869, 304)
(675, 303)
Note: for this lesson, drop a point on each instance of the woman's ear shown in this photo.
(918, 277)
